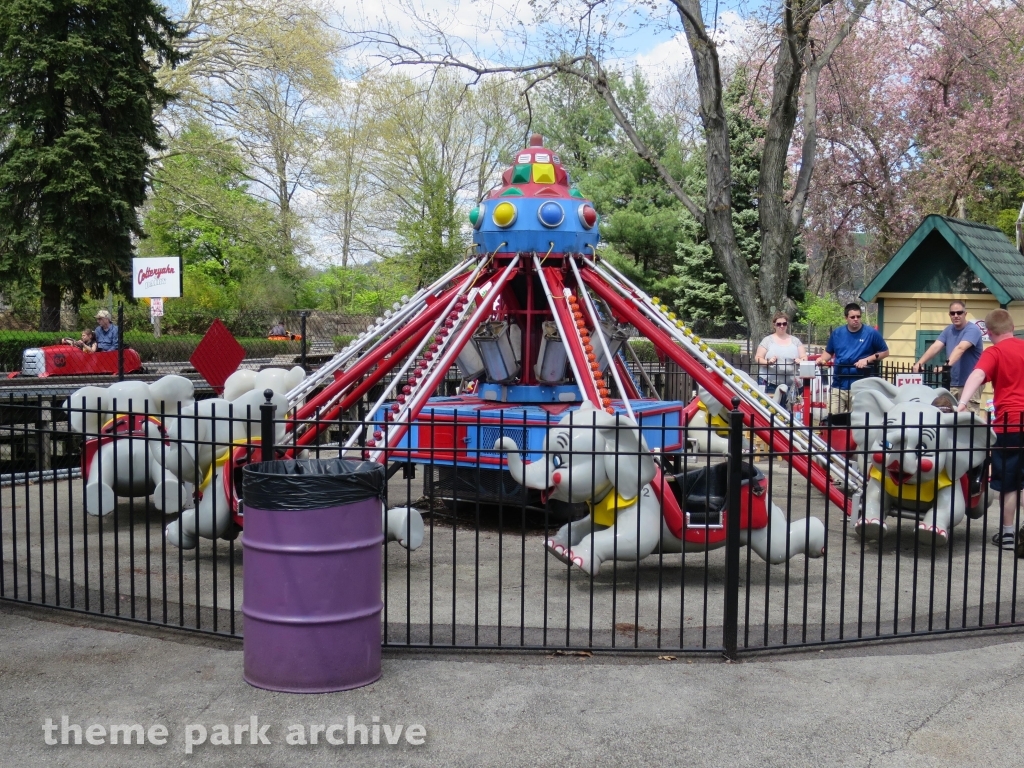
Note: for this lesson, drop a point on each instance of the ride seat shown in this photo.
(703, 492)
(975, 478)
(837, 420)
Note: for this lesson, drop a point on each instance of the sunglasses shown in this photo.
(955, 313)
(781, 325)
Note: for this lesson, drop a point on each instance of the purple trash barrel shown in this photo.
(312, 574)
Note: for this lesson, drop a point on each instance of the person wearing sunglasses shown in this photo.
(856, 349)
(778, 355)
(962, 341)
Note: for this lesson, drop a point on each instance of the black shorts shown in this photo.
(1008, 462)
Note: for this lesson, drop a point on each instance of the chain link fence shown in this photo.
(312, 337)
(293, 337)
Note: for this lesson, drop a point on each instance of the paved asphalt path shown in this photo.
(951, 702)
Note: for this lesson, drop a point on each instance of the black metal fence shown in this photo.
(713, 543)
(666, 380)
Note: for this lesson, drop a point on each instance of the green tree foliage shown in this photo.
(640, 217)
(367, 289)
(696, 286)
(822, 311)
(266, 72)
(646, 229)
(1000, 193)
(437, 142)
(77, 96)
(431, 233)
(575, 122)
(201, 211)
(345, 191)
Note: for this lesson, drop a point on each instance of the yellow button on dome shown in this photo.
(504, 214)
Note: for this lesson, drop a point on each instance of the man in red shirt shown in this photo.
(1003, 365)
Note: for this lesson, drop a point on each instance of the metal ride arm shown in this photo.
(446, 329)
(599, 334)
(322, 419)
(418, 325)
(626, 310)
(461, 332)
(725, 382)
(551, 279)
(378, 360)
(414, 320)
(381, 329)
(630, 391)
(736, 379)
(425, 368)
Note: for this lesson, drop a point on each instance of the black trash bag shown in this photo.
(296, 485)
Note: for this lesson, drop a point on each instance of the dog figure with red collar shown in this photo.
(602, 459)
(919, 459)
(125, 435)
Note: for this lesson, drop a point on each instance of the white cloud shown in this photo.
(670, 54)
(735, 34)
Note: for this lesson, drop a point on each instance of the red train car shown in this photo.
(65, 360)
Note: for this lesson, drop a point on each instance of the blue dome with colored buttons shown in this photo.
(535, 209)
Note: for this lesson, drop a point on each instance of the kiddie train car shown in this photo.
(65, 360)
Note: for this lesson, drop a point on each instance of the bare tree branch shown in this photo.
(810, 113)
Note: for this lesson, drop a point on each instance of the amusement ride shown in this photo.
(537, 323)
(538, 320)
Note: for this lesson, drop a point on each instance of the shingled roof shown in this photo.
(934, 257)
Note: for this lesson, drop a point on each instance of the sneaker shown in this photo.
(1003, 540)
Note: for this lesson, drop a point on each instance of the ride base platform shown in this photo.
(462, 430)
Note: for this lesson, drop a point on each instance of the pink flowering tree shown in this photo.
(914, 107)
(970, 102)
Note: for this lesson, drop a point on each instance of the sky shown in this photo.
(505, 31)
(496, 30)
(649, 39)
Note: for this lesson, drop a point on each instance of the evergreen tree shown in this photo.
(697, 288)
(77, 97)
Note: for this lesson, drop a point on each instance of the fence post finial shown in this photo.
(267, 411)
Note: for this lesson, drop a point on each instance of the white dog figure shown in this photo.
(708, 429)
(916, 455)
(125, 428)
(210, 442)
(404, 525)
(203, 443)
(602, 459)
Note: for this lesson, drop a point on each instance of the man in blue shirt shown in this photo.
(962, 342)
(106, 332)
(856, 348)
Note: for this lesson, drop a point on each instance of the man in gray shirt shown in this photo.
(106, 332)
(962, 342)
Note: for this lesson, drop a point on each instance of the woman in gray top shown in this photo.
(778, 356)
